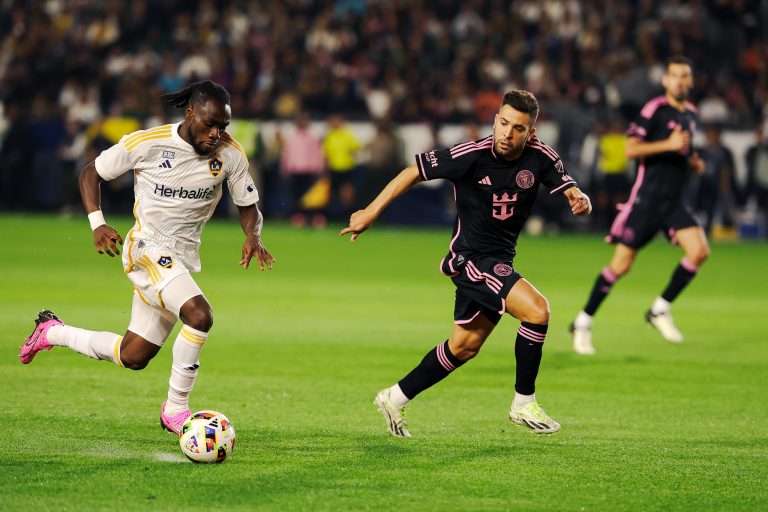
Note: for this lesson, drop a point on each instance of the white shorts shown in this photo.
(162, 285)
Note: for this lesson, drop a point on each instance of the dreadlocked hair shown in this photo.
(197, 93)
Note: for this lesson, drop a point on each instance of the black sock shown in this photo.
(530, 341)
(682, 275)
(601, 289)
(435, 366)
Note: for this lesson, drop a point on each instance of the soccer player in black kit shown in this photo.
(496, 180)
(660, 139)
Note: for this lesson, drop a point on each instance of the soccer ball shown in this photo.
(207, 436)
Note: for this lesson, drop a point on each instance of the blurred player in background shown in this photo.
(179, 170)
(496, 180)
(660, 139)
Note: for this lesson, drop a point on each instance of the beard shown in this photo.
(511, 150)
(199, 148)
(681, 96)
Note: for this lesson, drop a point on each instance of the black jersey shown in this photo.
(661, 177)
(493, 196)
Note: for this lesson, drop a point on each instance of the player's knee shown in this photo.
(200, 318)
(621, 269)
(699, 256)
(466, 347)
(466, 352)
(133, 362)
(539, 313)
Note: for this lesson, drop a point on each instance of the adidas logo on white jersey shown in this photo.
(166, 164)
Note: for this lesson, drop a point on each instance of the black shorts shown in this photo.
(482, 286)
(636, 226)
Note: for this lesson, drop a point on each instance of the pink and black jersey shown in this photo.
(493, 196)
(661, 177)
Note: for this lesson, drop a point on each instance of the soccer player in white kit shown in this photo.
(179, 170)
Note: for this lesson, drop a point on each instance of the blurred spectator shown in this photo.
(757, 175)
(611, 181)
(302, 163)
(47, 129)
(714, 190)
(71, 154)
(341, 148)
(385, 160)
(15, 153)
(713, 109)
(116, 124)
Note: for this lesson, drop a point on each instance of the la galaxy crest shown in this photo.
(214, 166)
(165, 262)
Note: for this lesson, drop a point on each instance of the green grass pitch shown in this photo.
(297, 354)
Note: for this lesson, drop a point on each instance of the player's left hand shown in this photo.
(580, 203)
(358, 222)
(253, 247)
(696, 163)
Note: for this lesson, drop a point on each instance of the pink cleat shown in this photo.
(39, 340)
(173, 423)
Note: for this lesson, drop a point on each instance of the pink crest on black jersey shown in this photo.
(525, 179)
(500, 269)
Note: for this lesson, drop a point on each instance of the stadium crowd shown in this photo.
(75, 75)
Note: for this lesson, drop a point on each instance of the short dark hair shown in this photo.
(679, 59)
(522, 101)
(197, 93)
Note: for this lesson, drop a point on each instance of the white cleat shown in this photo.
(533, 417)
(665, 325)
(393, 415)
(582, 341)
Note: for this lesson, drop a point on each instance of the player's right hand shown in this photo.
(358, 222)
(679, 139)
(105, 238)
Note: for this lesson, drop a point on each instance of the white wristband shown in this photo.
(96, 219)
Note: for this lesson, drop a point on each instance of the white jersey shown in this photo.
(176, 189)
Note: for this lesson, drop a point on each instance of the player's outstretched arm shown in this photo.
(252, 221)
(105, 237)
(362, 219)
(678, 140)
(579, 201)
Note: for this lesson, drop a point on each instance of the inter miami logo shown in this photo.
(215, 166)
(504, 206)
(502, 270)
(165, 262)
(524, 179)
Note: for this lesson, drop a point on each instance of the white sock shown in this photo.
(98, 345)
(186, 352)
(583, 321)
(521, 401)
(660, 306)
(397, 397)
